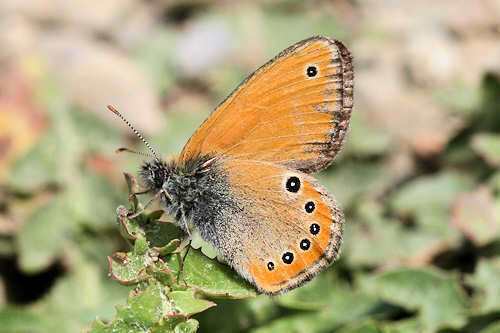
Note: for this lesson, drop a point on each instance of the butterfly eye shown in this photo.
(287, 258)
(305, 244)
(309, 207)
(270, 265)
(312, 71)
(293, 184)
(314, 229)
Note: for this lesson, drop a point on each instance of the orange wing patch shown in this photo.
(293, 111)
(295, 227)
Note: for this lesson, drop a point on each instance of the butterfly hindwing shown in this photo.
(293, 111)
(286, 229)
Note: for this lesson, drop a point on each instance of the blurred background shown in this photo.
(419, 178)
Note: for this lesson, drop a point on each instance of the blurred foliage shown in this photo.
(418, 179)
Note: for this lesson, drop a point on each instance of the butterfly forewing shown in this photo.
(288, 227)
(293, 111)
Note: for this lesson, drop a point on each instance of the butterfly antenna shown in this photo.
(127, 150)
(156, 156)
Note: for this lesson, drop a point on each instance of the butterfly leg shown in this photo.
(155, 197)
(181, 266)
(140, 211)
(133, 194)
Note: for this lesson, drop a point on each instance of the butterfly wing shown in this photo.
(292, 111)
(286, 227)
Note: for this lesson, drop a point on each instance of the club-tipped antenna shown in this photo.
(127, 150)
(112, 109)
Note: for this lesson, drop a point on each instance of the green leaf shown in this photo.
(187, 304)
(53, 226)
(188, 326)
(92, 133)
(365, 139)
(76, 298)
(374, 230)
(40, 166)
(151, 308)
(244, 314)
(436, 296)
(477, 215)
(198, 243)
(144, 308)
(18, 320)
(330, 303)
(211, 277)
(494, 181)
(130, 268)
(403, 326)
(462, 97)
(431, 211)
(488, 147)
(485, 280)
(92, 200)
(493, 328)
(364, 327)
(349, 181)
(180, 127)
(45, 234)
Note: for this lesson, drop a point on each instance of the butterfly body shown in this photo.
(243, 181)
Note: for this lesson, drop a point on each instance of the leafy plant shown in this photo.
(170, 281)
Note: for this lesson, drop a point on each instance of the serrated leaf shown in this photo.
(152, 308)
(437, 296)
(144, 308)
(131, 267)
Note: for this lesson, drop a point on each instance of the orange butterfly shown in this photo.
(242, 179)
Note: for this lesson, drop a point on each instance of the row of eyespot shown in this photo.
(304, 245)
(293, 185)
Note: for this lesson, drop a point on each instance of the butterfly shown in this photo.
(243, 179)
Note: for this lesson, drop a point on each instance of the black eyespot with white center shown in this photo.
(270, 265)
(314, 229)
(305, 244)
(312, 71)
(287, 258)
(293, 184)
(309, 207)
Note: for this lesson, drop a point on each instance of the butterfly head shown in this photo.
(155, 175)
